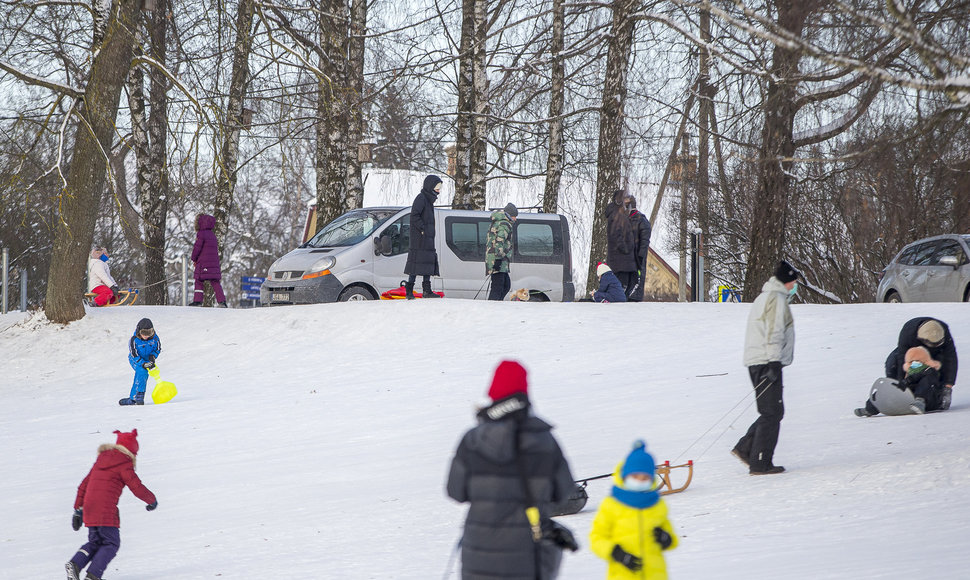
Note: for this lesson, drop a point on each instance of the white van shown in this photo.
(361, 254)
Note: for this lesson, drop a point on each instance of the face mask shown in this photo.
(633, 484)
(104, 257)
(791, 293)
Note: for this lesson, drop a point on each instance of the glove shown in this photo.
(152, 505)
(497, 264)
(562, 537)
(662, 537)
(149, 365)
(945, 398)
(76, 520)
(633, 563)
(114, 290)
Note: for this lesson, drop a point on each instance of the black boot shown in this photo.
(409, 290)
(426, 290)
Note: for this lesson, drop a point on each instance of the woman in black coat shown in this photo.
(621, 241)
(487, 472)
(422, 257)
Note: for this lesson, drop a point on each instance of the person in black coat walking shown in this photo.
(621, 242)
(422, 256)
(641, 227)
(510, 448)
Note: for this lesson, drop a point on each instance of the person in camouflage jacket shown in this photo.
(498, 250)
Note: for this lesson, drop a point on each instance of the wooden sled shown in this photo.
(663, 472)
(125, 298)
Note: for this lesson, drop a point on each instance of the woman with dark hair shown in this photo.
(621, 241)
(422, 256)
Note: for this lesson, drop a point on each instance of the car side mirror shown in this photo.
(950, 261)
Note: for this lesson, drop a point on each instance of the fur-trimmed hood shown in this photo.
(120, 448)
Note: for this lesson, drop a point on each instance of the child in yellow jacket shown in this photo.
(631, 529)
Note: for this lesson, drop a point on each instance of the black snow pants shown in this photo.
(758, 444)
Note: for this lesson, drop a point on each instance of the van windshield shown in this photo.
(350, 228)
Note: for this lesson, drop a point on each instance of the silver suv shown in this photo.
(933, 269)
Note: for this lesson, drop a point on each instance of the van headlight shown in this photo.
(320, 268)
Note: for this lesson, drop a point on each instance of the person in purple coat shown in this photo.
(205, 255)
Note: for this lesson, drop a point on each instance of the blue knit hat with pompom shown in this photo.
(639, 461)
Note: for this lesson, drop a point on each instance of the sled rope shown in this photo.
(730, 425)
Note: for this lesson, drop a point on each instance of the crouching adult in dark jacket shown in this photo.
(935, 336)
(487, 473)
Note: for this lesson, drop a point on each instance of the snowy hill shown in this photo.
(314, 442)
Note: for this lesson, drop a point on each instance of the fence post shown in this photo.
(6, 280)
(185, 279)
(23, 289)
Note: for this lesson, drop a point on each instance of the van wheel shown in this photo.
(893, 298)
(355, 294)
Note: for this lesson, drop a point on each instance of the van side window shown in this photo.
(538, 242)
(535, 240)
(466, 237)
(400, 234)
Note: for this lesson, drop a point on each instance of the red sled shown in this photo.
(398, 294)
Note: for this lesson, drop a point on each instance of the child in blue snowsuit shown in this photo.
(610, 289)
(143, 348)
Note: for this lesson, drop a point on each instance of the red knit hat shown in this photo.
(509, 379)
(128, 440)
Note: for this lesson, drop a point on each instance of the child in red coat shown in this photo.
(97, 504)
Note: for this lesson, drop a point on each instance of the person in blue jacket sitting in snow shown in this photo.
(143, 348)
(610, 289)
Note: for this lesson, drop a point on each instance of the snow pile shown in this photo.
(314, 442)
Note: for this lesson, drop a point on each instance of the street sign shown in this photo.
(250, 286)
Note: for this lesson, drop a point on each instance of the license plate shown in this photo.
(281, 296)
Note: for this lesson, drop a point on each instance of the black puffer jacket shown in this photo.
(497, 541)
(422, 257)
(946, 353)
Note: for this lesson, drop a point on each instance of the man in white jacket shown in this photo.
(769, 345)
(100, 281)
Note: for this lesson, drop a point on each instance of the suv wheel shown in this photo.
(355, 294)
(966, 294)
(893, 297)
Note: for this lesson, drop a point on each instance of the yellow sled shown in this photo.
(164, 391)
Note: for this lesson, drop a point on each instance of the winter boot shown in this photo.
(195, 303)
(91, 576)
(863, 412)
(426, 290)
(126, 401)
(222, 305)
(409, 290)
(919, 406)
(72, 571)
(140, 398)
(770, 471)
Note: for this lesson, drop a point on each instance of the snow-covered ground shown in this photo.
(314, 442)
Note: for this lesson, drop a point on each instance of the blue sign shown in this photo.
(250, 286)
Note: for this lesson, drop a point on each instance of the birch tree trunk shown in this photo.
(153, 191)
(557, 90)
(232, 124)
(333, 112)
(464, 122)
(609, 156)
(704, 106)
(355, 83)
(86, 177)
(767, 236)
(478, 160)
